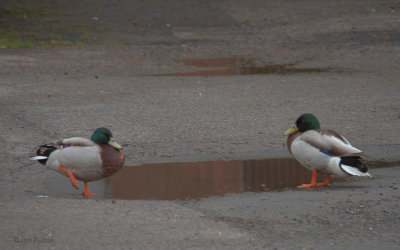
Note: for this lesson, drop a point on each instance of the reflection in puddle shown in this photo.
(188, 180)
(240, 66)
(196, 180)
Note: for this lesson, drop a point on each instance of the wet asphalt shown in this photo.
(209, 80)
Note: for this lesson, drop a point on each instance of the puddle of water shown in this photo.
(240, 66)
(196, 180)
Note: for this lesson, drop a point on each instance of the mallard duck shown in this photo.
(324, 151)
(83, 159)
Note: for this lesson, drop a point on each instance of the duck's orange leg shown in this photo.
(314, 181)
(86, 192)
(326, 181)
(71, 176)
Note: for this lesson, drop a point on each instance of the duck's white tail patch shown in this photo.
(39, 157)
(353, 171)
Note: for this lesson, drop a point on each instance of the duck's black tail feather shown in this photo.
(354, 161)
(43, 153)
(353, 165)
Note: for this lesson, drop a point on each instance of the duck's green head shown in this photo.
(303, 123)
(104, 136)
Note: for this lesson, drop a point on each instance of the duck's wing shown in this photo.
(330, 143)
(76, 142)
(43, 152)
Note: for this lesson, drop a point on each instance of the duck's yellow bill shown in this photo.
(114, 144)
(291, 130)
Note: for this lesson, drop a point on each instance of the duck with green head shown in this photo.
(324, 151)
(83, 159)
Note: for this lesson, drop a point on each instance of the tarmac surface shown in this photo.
(195, 81)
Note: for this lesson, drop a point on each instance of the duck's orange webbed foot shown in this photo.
(307, 185)
(314, 181)
(71, 176)
(86, 192)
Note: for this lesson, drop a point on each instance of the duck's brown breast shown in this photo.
(112, 158)
(291, 138)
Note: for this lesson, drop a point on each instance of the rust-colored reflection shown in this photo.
(171, 181)
(195, 180)
(240, 66)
